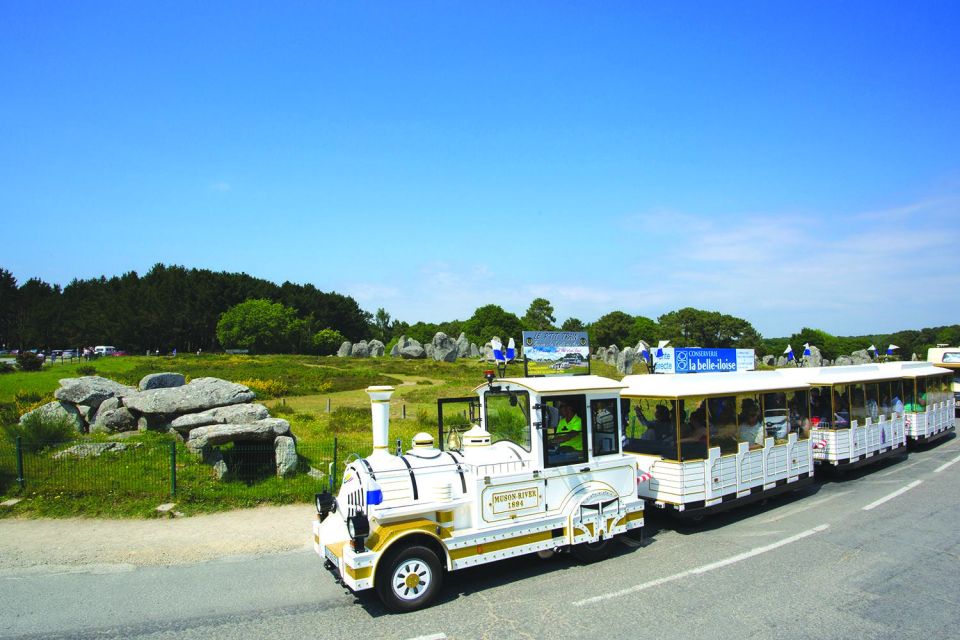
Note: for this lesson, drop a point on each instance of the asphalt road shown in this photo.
(873, 554)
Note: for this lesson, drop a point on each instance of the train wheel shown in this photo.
(409, 579)
(588, 552)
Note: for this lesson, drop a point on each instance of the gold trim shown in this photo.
(444, 517)
(358, 574)
(379, 401)
(500, 545)
(630, 517)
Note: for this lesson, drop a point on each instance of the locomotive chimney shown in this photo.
(380, 410)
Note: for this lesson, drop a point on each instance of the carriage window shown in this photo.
(785, 412)
(693, 428)
(885, 393)
(858, 408)
(872, 391)
(910, 395)
(920, 400)
(841, 407)
(507, 417)
(566, 435)
(750, 420)
(650, 426)
(821, 410)
(798, 403)
(722, 419)
(603, 417)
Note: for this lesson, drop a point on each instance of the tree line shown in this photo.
(172, 307)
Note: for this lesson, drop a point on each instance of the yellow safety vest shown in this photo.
(575, 424)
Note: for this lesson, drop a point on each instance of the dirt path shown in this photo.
(79, 541)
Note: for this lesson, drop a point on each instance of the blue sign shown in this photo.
(684, 360)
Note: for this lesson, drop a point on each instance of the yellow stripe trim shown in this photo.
(500, 545)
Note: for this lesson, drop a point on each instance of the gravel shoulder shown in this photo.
(75, 542)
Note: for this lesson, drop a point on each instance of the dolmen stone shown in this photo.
(463, 346)
(474, 351)
(444, 348)
(360, 350)
(344, 350)
(625, 361)
(166, 380)
(411, 349)
(113, 420)
(376, 349)
(91, 390)
(201, 394)
(57, 410)
(90, 450)
(236, 414)
(267, 429)
(285, 450)
(860, 357)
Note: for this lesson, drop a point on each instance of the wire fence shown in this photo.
(240, 473)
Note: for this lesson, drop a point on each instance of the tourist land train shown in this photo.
(565, 463)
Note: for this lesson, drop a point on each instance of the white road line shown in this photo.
(703, 569)
(947, 464)
(893, 495)
(432, 636)
(803, 507)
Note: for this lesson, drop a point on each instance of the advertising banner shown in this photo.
(556, 353)
(684, 360)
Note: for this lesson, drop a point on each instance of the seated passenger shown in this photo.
(660, 428)
(751, 427)
(695, 430)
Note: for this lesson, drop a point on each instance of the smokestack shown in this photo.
(380, 409)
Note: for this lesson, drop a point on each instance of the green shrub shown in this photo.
(39, 431)
(281, 409)
(27, 361)
(6, 367)
(350, 420)
(87, 370)
(424, 382)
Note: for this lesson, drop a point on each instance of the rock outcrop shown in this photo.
(59, 410)
(166, 380)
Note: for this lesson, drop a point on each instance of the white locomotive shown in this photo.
(522, 479)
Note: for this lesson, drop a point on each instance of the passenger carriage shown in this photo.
(856, 412)
(928, 400)
(706, 442)
(503, 479)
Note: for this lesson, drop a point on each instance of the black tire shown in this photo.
(409, 578)
(587, 552)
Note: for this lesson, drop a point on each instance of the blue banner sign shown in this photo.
(684, 360)
(552, 353)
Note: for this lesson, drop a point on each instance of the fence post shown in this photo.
(20, 479)
(328, 405)
(173, 469)
(404, 411)
(333, 472)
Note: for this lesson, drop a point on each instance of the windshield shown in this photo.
(507, 417)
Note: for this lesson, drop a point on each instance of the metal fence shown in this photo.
(242, 473)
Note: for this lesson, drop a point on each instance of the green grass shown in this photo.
(133, 482)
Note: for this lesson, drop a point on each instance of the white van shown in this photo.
(104, 351)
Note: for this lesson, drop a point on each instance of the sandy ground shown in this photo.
(75, 542)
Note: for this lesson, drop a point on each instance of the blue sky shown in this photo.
(792, 165)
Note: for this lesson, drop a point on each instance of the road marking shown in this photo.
(432, 636)
(947, 464)
(893, 495)
(703, 569)
(804, 507)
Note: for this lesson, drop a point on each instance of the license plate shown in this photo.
(331, 557)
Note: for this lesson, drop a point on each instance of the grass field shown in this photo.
(298, 388)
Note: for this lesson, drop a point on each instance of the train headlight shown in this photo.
(358, 527)
(325, 504)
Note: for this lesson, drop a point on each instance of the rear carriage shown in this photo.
(856, 412)
(707, 442)
(928, 400)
